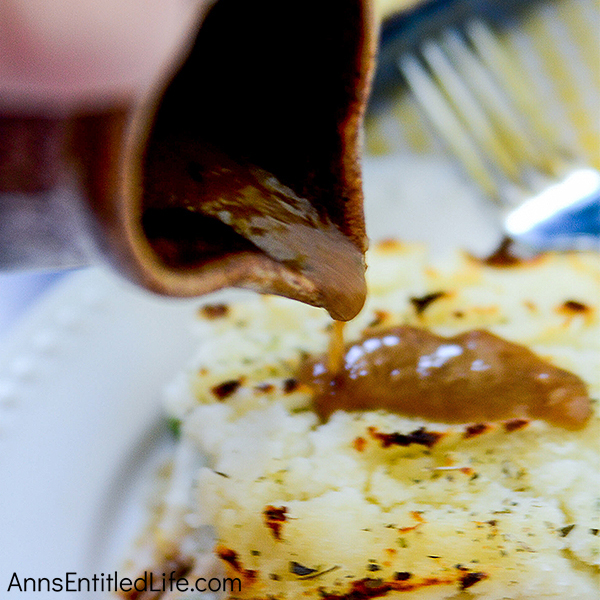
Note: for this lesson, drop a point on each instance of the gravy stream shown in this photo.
(471, 377)
(336, 350)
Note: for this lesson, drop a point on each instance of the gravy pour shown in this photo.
(249, 159)
(220, 198)
(471, 377)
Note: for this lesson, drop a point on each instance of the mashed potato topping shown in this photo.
(376, 504)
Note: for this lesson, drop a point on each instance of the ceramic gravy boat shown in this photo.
(240, 167)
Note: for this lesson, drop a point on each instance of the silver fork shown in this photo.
(475, 94)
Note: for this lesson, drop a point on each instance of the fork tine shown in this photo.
(445, 121)
(565, 63)
(498, 59)
(582, 20)
(550, 62)
(468, 109)
(509, 125)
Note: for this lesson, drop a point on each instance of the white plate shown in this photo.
(81, 379)
(80, 386)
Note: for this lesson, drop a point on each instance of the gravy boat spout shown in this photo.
(240, 167)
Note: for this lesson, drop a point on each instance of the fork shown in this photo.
(472, 86)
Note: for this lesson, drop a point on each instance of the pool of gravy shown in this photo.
(471, 377)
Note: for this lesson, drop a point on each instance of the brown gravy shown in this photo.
(336, 349)
(252, 162)
(287, 227)
(210, 198)
(471, 377)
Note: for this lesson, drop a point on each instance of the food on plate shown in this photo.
(414, 500)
